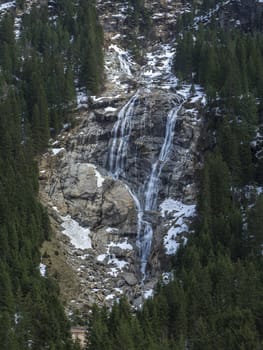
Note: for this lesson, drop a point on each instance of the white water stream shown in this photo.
(145, 230)
(117, 156)
(155, 74)
(120, 137)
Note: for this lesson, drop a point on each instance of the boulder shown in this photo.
(130, 278)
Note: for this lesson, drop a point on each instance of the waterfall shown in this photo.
(117, 155)
(157, 72)
(120, 137)
(152, 185)
(145, 231)
(124, 59)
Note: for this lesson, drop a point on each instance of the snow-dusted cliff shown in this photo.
(120, 186)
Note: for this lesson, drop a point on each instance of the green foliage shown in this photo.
(140, 28)
(60, 49)
(29, 307)
(88, 48)
(214, 301)
(229, 62)
(37, 92)
(255, 225)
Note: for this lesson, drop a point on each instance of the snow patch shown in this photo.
(179, 214)
(17, 317)
(101, 257)
(123, 245)
(100, 178)
(110, 109)
(113, 272)
(110, 259)
(56, 151)
(148, 294)
(82, 99)
(7, 5)
(112, 230)
(79, 236)
(177, 208)
(171, 241)
(120, 264)
(42, 269)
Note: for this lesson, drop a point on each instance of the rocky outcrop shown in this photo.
(90, 198)
(97, 211)
(244, 14)
(92, 143)
(78, 195)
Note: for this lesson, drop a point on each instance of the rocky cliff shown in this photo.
(246, 15)
(120, 186)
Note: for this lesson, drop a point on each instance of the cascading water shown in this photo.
(117, 155)
(120, 137)
(157, 73)
(141, 154)
(145, 231)
(124, 59)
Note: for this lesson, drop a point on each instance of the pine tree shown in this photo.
(255, 231)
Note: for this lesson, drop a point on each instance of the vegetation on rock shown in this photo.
(37, 74)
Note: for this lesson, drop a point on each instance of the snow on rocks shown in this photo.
(107, 270)
(56, 151)
(158, 68)
(172, 240)
(42, 269)
(114, 252)
(205, 19)
(178, 215)
(148, 294)
(112, 230)
(7, 5)
(125, 60)
(177, 208)
(123, 245)
(100, 178)
(79, 236)
(119, 264)
(82, 99)
(110, 109)
(119, 68)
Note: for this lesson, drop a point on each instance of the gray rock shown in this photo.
(118, 252)
(130, 278)
(120, 283)
(138, 302)
(71, 184)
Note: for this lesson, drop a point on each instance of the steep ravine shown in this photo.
(121, 184)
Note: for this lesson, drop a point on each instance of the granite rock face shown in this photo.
(92, 199)
(134, 145)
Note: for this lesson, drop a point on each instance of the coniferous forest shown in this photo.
(215, 299)
(38, 76)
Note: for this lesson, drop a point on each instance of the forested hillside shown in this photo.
(215, 298)
(208, 51)
(54, 51)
